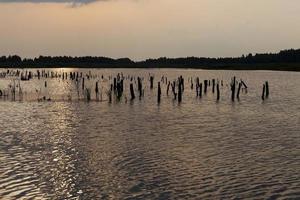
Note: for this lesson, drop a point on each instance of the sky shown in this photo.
(141, 29)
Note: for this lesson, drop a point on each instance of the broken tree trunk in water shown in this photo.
(151, 82)
(263, 92)
(132, 91)
(213, 85)
(267, 89)
(238, 92)
(218, 92)
(233, 89)
(158, 92)
(205, 86)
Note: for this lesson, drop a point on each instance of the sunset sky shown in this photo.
(140, 29)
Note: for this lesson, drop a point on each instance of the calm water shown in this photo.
(68, 148)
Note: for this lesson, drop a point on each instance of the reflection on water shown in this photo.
(198, 149)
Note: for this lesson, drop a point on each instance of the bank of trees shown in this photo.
(258, 61)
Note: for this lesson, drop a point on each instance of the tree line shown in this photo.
(283, 60)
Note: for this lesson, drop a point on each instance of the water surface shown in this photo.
(68, 148)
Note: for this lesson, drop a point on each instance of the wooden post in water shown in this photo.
(233, 89)
(140, 87)
(197, 86)
(88, 94)
(158, 92)
(267, 89)
(213, 85)
(119, 89)
(205, 86)
(97, 91)
(238, 92)
(132, 91)
(122, 85)
(82, 83)
(263, 92)
(200, 90)
(173, 89)
(29, 75)
(218, 92)
(115, 84)
(179, 91)
(151, 82)
(168, 88)
(110, 96)
(182, 83)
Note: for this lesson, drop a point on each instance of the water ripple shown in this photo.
(199, 149)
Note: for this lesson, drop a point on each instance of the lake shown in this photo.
(70, 148)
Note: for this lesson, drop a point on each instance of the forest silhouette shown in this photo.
(288, 60)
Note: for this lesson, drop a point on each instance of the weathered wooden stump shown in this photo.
(200, 90)
(179, 91)
(174, 90)
(197, 86)
(140, 87)
(263, 92)
(233, 89)
(168, 88)
(38, 74)
(158, 92)
(97, 90)
(218, 92)
(205, 86)
(132, 91)
(267, 89)
(213, 85)
(182, 83)
(151, 82)
(82, 84)
(238, 92)
(115, 84)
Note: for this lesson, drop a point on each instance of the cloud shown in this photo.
(51, 1)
